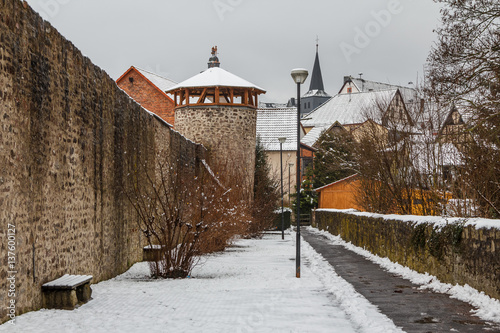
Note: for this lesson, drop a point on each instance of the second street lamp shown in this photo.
(282, 141)
(299, 76)
(290, 165)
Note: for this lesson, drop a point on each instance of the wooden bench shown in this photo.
(151, 253)
(67, 291)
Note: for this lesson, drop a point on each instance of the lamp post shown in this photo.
(299, 76)
(282, 141)
(290, 165)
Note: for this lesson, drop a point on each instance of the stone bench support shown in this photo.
(67, 292)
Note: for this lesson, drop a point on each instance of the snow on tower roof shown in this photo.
(215, 77)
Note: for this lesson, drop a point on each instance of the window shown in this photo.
(349, 90)
(306, 163)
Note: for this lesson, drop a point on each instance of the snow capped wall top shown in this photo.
(479, 223)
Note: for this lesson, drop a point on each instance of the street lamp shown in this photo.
(299, 76)
(282, 141)
(290, 165)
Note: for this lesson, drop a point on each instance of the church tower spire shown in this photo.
(316, 78)
(316, 95)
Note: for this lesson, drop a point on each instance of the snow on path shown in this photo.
(251, 287)
(487, 308)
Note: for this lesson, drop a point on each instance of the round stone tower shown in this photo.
(219, 110)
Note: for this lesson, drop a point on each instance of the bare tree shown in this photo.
(399, 164)
(464, 70)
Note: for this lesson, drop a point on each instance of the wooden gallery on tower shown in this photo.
(219, 110)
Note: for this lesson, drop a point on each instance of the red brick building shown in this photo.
(148, 89)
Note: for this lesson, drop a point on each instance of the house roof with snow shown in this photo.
(276, 123)
(347, 108)
(160, 82)
(215, 77)
(351, 177)
(363, 85)
(410, 95)
(313, 135)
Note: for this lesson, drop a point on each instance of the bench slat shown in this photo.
(67, 281)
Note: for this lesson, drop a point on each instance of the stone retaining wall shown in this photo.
(454, 250)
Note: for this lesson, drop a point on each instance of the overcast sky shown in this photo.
(258, 40)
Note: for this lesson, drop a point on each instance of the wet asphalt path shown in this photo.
(411, 309)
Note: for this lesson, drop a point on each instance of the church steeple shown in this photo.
(316, 78)
(316, 95)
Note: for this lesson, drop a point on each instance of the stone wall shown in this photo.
(68, 138)
(455, 251)
(229, 133)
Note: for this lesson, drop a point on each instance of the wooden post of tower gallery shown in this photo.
(299, 76)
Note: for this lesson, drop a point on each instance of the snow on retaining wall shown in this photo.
(479, 223)
(456, 250)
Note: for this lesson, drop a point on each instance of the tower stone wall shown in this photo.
(228, 132)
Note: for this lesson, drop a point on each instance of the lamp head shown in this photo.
(299, 75)
(282, 140)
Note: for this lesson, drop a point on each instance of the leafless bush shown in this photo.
(164, 194)
(222, 207)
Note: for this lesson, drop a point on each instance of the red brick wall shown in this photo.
(148, 96)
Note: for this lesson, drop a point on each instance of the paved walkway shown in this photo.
(410, 308)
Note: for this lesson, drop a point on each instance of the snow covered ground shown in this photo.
(251, 287)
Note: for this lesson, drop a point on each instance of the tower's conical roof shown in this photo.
(215, 77)
(316, 78)
(316, 88)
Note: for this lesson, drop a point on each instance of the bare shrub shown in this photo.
(164, 195)
(222, 208)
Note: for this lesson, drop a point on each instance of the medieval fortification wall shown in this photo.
(68, 136)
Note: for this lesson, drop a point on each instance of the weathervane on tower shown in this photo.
(214, 60)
